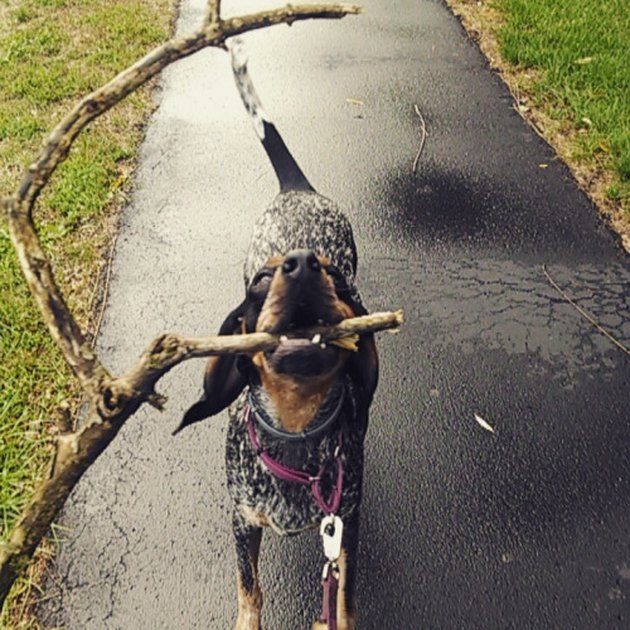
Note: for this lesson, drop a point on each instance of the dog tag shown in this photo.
(331, 531)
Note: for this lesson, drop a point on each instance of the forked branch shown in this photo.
(112, 400)
(36, 266)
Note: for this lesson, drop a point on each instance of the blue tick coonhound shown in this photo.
(298, 414)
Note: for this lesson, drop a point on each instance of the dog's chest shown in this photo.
(288, 507)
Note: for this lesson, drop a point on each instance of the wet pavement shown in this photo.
(526, 527)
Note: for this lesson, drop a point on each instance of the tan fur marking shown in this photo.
(274, 304)
(345, 621)
(274, 261)
(296, 403)
(258, 519)
(249, 606)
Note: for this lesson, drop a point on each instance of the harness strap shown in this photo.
(299, 476)
(330, 584)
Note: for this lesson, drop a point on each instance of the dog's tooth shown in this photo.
(283, 338)
(316, 338)
(322, 346)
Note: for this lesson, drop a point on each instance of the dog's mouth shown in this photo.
(300, 356)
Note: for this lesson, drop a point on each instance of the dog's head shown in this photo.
(289, 293)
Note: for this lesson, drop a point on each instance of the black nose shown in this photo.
(299, 263)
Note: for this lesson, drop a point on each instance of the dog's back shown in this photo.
(299, 217)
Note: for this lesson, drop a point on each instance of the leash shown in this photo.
(331, 527)
(299, 476)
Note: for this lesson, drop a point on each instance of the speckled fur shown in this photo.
(297, 219)
(289, 507)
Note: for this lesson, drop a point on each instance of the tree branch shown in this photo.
(168, 350)
(113, 400)
(213, 12)
(122, 397)
(37, 269)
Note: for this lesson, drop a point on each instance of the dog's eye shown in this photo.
(262, 277)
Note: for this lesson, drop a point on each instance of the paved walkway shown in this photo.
(524, 528)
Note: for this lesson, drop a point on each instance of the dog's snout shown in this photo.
(300, 262)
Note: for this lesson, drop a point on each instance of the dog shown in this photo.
(303, 407)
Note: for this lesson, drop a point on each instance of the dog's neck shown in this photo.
(293, 406)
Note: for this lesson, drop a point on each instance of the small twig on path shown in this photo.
(104, 291)
(584, 313)
(423, 139)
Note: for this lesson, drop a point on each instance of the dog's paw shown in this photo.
(248, 620)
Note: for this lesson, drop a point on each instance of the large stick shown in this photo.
(113, 400)
(35, 264)
(77, 450)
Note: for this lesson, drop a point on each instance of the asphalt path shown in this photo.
(526, 527)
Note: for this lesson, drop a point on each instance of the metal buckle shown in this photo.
(328, 567)
(331, 531)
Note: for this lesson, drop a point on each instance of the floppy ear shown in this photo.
(362, 366)
(223, 380)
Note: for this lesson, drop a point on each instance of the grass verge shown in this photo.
(567, 65)
(52, 53)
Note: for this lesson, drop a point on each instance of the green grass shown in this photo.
(52, 53)
(580, 54)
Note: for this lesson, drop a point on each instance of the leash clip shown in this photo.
(331, 531)
(329, 567)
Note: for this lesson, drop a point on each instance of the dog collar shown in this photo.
(299, 476)
(320, 425)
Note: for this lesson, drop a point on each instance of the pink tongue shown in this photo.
(289, 346)
(302, 357)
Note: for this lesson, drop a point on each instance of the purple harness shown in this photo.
(330, 576)
(299, 476)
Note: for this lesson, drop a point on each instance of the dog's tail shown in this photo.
(289, 174)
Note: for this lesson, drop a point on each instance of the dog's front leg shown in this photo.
(247, 538)
(346, 606)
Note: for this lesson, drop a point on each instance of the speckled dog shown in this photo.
(304, 406)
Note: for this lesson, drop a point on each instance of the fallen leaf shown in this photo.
(582, 61)
(523, 109)
(543, 165)
(483, 424)
(347, 343)
(354, 101)
(587, 121)
(603, 146)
